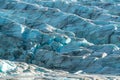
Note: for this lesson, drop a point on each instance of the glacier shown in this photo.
(48, 39)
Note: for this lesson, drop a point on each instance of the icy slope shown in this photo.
(77, 36)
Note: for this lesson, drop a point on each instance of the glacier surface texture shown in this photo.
(60, 39)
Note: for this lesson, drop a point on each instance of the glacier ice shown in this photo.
(6, 66)
(76, 36)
